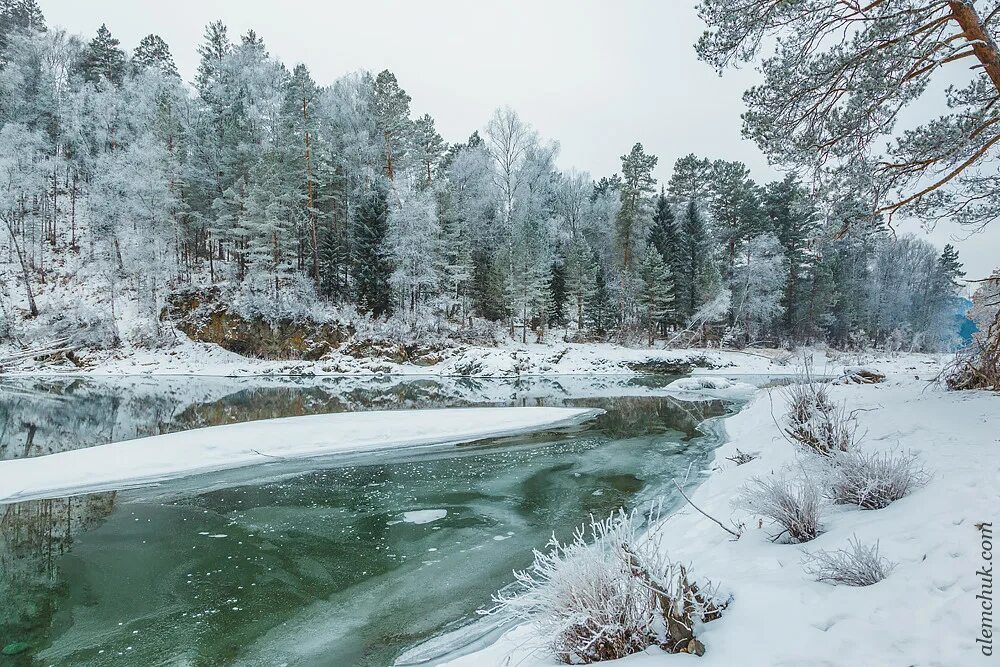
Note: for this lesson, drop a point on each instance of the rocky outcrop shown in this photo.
(204, 316)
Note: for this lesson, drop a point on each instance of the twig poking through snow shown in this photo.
(703, 513)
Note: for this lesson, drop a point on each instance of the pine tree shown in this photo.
(557, 296)
(428, 146)
(581, 277)
(657, 295)
(18, 16)
(213, 49)
(735, 208)
(665, 237)
(637, 185)
(487, 285)
(950, 266)
(299, 112)
(691, 180)
(102, 59)
(370, 268)
(792, 216)
(697, 276)
(154, 53)
(599, 307)
(391, 108)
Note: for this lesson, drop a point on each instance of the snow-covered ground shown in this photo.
(161, 457)
(511, 360)
(925, 613)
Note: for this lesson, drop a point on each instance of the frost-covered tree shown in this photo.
(153, 52)
(103, 59)
(413, 245)
(657, 294)
(370, 267)
(758, 284)
(631, 224)
(391, 108)
(839, 78)
(428, 146)
(21, 173)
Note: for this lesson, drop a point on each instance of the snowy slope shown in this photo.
(156, 458)
(925, 613)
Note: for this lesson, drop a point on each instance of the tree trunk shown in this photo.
(979, 38)
(32, 306)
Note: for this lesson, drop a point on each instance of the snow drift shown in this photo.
(162, 457)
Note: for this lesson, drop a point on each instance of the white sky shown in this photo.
(596, 76)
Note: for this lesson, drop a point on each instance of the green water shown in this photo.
(309, 563)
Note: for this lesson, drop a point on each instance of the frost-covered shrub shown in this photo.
(294, 298)
(610, 592)
(817, 422)
(978, 365)
(78, 322)
(873, 480)
(793, 505)
(857, 565)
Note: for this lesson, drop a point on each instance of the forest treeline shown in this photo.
(120, 183)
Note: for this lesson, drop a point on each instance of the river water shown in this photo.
(321, 562)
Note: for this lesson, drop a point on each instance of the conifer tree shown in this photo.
(154, 53)
(666, 238)
(428, 146)
(19, 16)
(103, 59)
(391, 108)
(637, 185)
(599, 306)
(370, 268)
(950, 265)
(657, 295)
(698, 276)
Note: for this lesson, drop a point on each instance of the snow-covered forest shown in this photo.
(336, 201)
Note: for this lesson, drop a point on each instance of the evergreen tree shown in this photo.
(696, 276)
(18, 16)
(428, 146)
(665, 237)
(370, 268)
(557, 296)
(488, 297)
(657, 295)
(153, 52)
(213, 49)
(599, 307)
(637, 185)
(792, 216)
(103, 59)
(581, 277)
(691, 180)
(391, 108)
(950, 266)
(301, 124)
(735, 208)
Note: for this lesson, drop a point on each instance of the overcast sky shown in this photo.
(596, 76)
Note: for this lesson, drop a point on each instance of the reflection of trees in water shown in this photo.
(32, 537)
(43, 416)
(638, 415)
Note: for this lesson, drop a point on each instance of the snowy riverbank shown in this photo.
(161, 457)
(511, 360)
(924, 613)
